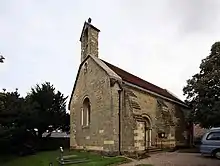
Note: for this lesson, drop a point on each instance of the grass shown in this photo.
(44, 158)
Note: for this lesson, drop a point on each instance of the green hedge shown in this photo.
(10, 146)
(49, 143)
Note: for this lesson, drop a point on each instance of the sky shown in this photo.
(162, 42)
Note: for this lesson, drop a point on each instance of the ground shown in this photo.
(177, 159)
(44, 158)
(159, 159)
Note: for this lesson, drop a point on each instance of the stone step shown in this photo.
(154, 149)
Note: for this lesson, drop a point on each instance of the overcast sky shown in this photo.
(162, 42)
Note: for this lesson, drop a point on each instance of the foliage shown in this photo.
(50, 108)
(13, 120)
(50, 143)
(43, 109)
(203, 90)
(11, 106)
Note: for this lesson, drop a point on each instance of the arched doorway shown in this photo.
(148, 130)
(142, 133)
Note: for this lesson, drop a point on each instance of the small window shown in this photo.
(213, 136)
(85, 113)
(85, 67)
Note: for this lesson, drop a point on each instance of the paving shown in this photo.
(176, 159)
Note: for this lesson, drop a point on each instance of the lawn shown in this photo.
(44, 158)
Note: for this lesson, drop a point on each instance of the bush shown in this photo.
(49, 143)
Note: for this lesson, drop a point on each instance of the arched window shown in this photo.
(85, 114)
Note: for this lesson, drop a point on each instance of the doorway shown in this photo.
(143, 135)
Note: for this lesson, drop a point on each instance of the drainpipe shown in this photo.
(119, 122)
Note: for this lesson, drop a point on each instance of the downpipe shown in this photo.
(119, 121)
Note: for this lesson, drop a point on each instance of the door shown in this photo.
(142, 135)
(148, 136)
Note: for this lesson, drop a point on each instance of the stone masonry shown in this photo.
(94, 84)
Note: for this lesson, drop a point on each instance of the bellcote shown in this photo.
(89, 40)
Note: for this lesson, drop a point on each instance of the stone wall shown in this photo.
(89, 43)
(93, 83)
(138, 103)
(128, 123)
(103, 131)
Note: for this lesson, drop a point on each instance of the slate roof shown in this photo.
(130, 78)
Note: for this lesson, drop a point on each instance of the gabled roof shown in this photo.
(122, 75)
(130, 78)
(103, 66)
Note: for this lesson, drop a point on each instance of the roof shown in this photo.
(119, 74)
(130, 78)
(109, 72)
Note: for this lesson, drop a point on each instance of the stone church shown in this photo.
(112, 110)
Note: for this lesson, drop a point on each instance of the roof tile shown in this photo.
(141, 83)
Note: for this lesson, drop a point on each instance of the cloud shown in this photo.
(196, 16)
(160, 41)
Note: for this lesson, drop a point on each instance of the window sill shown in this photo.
(85, 127)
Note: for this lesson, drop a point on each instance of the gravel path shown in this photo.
(177, 159)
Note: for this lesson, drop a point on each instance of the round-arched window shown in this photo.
(86, 110)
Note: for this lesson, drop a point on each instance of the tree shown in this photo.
(203, 90)
(43, 109)
(1, 59)
(10, 107)
(14, 121)
(50, 108)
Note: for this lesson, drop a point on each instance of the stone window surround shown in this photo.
(88, 113)
(147, 120)
(144, 118)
